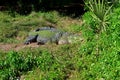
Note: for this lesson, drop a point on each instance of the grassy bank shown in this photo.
(97, 57)
(19, 26)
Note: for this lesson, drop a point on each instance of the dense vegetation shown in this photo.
(97, 57)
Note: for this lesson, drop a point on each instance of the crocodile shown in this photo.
(45, 35)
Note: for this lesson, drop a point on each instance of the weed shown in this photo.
(100, 13)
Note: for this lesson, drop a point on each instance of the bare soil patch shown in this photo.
(16, 47)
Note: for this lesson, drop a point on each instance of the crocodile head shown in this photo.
(70, 38)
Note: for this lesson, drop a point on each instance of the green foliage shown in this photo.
(97, 57)
(116, 3)
(15, 64)
(75, 28)
(44, 61)
(100, 13)
(15, 27)
(114, 27)
(101, 50)
(90, 25)
(51, 17)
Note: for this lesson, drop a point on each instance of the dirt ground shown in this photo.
(16, 47)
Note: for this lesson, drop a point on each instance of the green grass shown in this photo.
(73, 61)
(19, 26)
(97, 57)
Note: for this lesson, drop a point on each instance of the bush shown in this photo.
(114, 29)
(100, 13)
(101, 50)
(14, 64)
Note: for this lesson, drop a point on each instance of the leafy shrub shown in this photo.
(15, 64)
(101, 50)
(100, 13)
(10, 66)
(114, 27)
(44, 61)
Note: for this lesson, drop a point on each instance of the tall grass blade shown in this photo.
(100, 12)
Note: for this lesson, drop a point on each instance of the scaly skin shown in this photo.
(44, 35)
(71, 38)
(52, 35)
